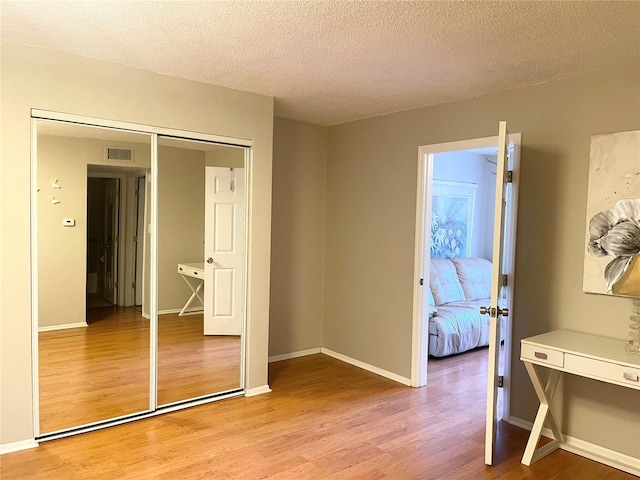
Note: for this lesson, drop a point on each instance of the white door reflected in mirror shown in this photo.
(224, 245)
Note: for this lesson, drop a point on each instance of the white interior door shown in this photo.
(501, 301)
(224, 250)
(109, 245)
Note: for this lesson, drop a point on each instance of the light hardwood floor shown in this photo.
(102, 371)
(324, 419)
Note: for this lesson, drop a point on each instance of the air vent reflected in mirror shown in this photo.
(119, 154)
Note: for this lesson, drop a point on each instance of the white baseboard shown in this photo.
(252, 392)
(366, 366)
(588, 450)
(188, 311)
(300, 353)
(17, 446)
(62, 326)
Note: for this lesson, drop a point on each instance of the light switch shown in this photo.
(69, 222)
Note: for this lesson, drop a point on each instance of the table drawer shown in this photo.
(600, 369)
(192, 272)
(542, 355)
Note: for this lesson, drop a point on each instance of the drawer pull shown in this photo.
(631, 377)
(540, 355)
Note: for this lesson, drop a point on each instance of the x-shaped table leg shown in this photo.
(194, 295)
(545, 394)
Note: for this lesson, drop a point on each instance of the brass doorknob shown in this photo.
(504, 312)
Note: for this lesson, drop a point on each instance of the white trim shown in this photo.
(419, 341)
(299, 353)
(35, 373)
(588, 450)
(137, 127)
(189, 311)
(245, 342)
(365, 366)
(252, 392)
(146, 235)
(153, 278)
(468, 144)
(515, 139)
(129, 270)
(62, 326)
(18, 446)
(139, 416)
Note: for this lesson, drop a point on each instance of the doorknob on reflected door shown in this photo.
(494, 311)
(209, 260)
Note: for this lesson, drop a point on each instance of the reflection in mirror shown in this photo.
(201, 218)
(93, 274)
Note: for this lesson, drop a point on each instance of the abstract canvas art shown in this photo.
(612, 260)
(451, 218)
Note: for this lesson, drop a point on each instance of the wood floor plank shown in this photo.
(324, 420)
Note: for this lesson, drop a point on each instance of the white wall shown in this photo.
(470, 167)
(50, 80)
(489, 211)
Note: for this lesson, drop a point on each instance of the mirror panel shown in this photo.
(93, 274)
(201, 216)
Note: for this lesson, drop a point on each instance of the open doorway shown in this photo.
(455, 238)
(103, 212)
(460, 252)
(116, 205)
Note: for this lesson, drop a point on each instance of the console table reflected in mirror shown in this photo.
(195, 271)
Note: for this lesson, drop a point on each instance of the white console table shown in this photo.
(563, 351)
(188, 271)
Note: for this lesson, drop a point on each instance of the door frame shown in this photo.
(420, 328)
(153, 132)
(121, 275)
(137, 253)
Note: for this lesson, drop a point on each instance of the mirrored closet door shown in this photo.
(201, 259)
(139, 272)
(93, 274)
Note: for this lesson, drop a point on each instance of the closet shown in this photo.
(171, 198)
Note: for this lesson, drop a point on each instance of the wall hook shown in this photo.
(55, 184)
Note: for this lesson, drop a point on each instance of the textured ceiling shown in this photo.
(329, 62)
